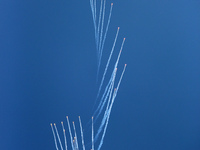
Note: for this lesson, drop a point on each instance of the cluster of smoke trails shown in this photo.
(103, 42)
(109, 94)
(103, 100)
(104, 117)
(74, 143)
(102, 23)
(107, 89)
(100, 33)
(103, 126)
(109, 105)
(101, 46)
(110, 108)
(106, 68)
(99, 27)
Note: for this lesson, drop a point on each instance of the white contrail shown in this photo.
(92, 134)
(105, 34)
(70, 133)
(81, 133)
(64, 135)
(100, 36)
(98, 27)
(54, 136)
(109, 111)
(103, 77)
(104, 117)
(103, 101)
(102, 24)
(76, 139)
(95, 10)
(58, 136)
(116, 64)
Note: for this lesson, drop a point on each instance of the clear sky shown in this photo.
(48, 70)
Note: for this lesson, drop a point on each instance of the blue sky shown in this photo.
(48, 70)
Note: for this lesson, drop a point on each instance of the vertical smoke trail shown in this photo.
(98, 27)
(54, 136)
(102, 24)
(105, 34)
(64, 135)
(76, 138)
(94, 22)
(92, 135)
(100, 36)
(81, 133)
(70, 133)
(95, 10)
(58, 136)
